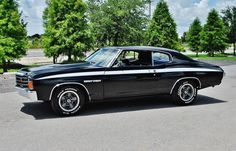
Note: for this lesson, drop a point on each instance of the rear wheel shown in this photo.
(184, 93)
(68, 101)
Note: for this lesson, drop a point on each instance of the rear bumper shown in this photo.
(32, 95)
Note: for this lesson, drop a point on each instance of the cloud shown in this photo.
(224, 3)
(32, 13)
(185, 11)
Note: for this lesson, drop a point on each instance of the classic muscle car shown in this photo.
(118, 72)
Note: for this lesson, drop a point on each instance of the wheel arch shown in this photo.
(78, 85)
(195, 79)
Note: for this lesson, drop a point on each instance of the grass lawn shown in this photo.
(220, 57)
(15, 68)
(9, 70)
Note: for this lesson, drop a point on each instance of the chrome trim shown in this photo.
(76, 83)
(191, 95)
(91, 54)
(69, 101)
(114, 59)
(20, 74)
(152, 59)
(92, 73)
(120, 51)
(32, 95)
(200, 84)
(96, 73)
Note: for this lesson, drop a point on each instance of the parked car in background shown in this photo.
(115, 73)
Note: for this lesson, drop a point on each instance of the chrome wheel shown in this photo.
(69, 101)
(187, 92)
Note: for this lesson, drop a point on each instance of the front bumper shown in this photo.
(32, 95)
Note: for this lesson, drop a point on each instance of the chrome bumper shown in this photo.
(32, 95)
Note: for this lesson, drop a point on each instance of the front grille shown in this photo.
(22, 81)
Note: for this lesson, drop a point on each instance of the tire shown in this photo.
(184, 93)
(67, 101)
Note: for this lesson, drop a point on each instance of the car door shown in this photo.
(162, 78)
(129, 80)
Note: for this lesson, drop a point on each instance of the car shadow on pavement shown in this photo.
(42, 110)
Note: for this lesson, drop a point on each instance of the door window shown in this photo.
(134, 58)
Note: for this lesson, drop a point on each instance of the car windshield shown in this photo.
(102, 57)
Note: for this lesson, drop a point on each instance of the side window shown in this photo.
(160, 58)
(134, 58)
(130, 55)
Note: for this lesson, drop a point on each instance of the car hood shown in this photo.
(47, 70)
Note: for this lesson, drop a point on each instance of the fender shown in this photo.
(200, 84)
(67, 83)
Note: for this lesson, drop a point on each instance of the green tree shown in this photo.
(184, 37)
(193, 36)
(66, 29)
(118, 22)
(13, 36)
(213, 35)
(35, 41)
(162, 29)
(229, 18)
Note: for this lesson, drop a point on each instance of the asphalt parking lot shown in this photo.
(144, 124)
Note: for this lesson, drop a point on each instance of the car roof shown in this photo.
(144, 48)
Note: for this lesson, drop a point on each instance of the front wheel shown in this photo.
(185, 92)
(67, 101)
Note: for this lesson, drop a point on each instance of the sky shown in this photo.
(183, 11)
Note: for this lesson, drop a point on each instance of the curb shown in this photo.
(9, 73)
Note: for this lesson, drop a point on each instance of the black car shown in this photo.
(118, 72)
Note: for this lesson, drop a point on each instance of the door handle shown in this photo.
(154, 72)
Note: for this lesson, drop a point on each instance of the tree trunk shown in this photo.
(69, 56)
(211, 53)
(116, 39)
(234, 48)
(109, 41)
(222, 51)
(196, 53)
(75, 58)
(4, 65)
(8, 63)
(54, 59)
